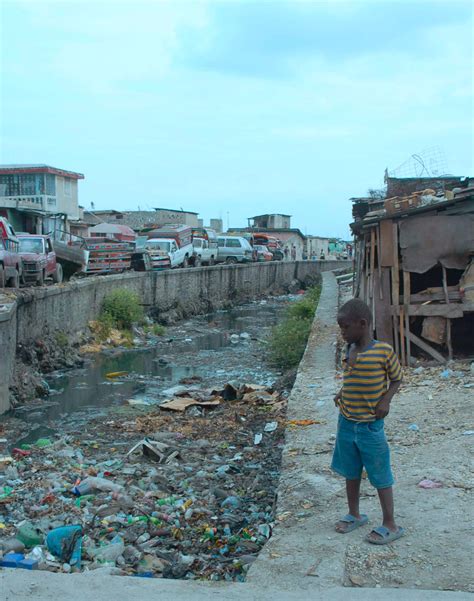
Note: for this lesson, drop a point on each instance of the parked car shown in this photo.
(39, 259)
(263, 254)
(233, 249)
(11, 265)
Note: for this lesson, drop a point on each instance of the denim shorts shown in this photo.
(362, 444)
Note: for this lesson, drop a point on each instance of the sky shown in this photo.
(234, 109)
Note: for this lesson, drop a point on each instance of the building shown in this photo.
(217, 225)
(289, 237)
(143, 220)
(39, 199)
(404, 186)
(314, 246)
(415, 269)
(272, 221)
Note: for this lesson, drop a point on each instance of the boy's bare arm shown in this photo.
(337, 397)
(383, 406)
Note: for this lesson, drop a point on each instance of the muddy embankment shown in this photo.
(43, 330)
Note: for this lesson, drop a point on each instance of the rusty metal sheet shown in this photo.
(429, 240)
(386, 243)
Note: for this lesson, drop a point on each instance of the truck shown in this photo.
(272, 244)
(39, 259)
(205, 246)
(170, 246)
(11, 264)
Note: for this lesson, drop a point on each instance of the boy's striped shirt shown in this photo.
(366, 381)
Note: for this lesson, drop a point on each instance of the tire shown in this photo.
(2, 277)
(40, 280)
(185, 263)
(231, 260)
(58, 274)
(14, 281)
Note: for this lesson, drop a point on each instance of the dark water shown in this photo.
(200, 347)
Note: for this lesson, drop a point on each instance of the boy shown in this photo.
(364, 402)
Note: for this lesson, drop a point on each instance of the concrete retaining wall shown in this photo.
(69, 308)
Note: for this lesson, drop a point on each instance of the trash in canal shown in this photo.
(169, 494)
(116, 374)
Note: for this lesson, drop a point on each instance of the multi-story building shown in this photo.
(39, 199)
(271, 221)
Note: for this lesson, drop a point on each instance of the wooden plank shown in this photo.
(402, 336)
(445, 285)
(379, 267)
(383, 318)
(395, 334)
(395, 268)
(395, 286)
(440, 295)
(372, 262)
(406, 295)
(386, 243)
(453, 311)
(427, 348)
(449, 340)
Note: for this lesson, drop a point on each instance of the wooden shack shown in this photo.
(414, 268)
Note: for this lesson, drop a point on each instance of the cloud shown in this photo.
(269, 38)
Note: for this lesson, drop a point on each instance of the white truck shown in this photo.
(205, 246)
(170, 246)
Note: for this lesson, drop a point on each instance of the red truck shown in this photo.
(39, 259)
(11, 266)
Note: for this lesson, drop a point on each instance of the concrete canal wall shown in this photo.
(69, 308)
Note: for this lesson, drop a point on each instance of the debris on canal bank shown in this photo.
(196, 501)
(157, 461)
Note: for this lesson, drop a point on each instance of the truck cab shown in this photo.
(39, 259)
(205, 246)
(170, 246)
(11, 266)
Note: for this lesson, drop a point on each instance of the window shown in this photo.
(158, 245)
(31, 245)
(221, 242)
(50, 188)
(233, 243)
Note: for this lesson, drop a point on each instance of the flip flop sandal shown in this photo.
(353, 522)
(387, 536)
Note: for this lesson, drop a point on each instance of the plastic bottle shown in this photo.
(110, 552)
(92, 483)
(29, 535)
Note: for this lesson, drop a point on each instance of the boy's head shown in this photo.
(354, 319)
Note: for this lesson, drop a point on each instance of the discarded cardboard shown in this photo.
(182, 403)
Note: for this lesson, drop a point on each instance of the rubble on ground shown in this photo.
(187, 491)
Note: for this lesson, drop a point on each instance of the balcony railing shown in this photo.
(40, 203)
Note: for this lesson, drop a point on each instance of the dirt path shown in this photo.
(437, 551)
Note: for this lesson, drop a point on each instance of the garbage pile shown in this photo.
(186, 490)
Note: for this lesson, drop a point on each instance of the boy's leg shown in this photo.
(376, 458)
(352, 491)
(386, 502)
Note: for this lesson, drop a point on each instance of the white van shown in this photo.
(233, 249)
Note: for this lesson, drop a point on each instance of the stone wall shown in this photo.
(184, 292)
